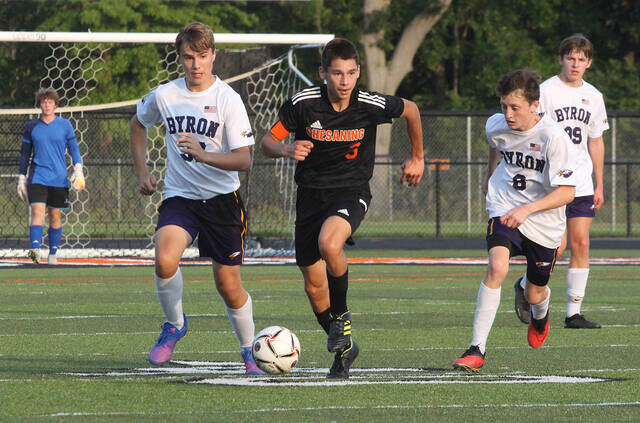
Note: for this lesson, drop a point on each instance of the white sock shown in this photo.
(538, 311)
(242, 321)
(486, 309)
(170, 296)
(523, 281)
(576, 286)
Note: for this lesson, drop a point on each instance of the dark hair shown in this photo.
(576, 42)
(339, 48)
(522, 79)
(44, 93)
(197, 36)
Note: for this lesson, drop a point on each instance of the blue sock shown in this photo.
(35, 236)
(55, 235)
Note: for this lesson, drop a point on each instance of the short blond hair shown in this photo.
(44, 93)
(197, 36)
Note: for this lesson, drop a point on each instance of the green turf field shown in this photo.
(74, 345)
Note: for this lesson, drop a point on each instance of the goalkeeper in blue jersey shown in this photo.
(44, 145)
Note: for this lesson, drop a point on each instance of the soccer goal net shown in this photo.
(109, 217)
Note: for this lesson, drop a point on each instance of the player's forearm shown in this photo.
(494, 155)
(414, 128)
(74, 150)
(559, 197)
(238, 160)
(596, 151)
(138, 134)
(271, 147)
(25, 155)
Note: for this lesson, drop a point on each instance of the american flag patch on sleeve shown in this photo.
(534, 147)
(210, 109)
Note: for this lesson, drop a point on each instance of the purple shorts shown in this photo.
(220, 223)
(540, 260)
(581, 207)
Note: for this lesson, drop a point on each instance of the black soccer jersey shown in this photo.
(343, 151)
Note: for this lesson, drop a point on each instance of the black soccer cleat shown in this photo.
(339, 332)
(343, 361)
(522, 306)
(577, 321)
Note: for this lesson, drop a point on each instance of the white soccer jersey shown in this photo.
(582, 114)
(216, 117)
(534, 163)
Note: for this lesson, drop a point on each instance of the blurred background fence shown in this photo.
(447, 204)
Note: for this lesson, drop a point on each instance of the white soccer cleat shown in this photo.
(52, 260)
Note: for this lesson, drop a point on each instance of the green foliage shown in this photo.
(457, 66)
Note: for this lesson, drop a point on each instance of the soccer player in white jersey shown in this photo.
(207, 139)
(579, 108)
(525, 193)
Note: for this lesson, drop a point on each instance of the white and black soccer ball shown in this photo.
(276, 350)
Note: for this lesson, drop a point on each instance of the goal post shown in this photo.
(150, 37)
(109, 211)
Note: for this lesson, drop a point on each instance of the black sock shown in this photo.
(338, 286)
(324, 318)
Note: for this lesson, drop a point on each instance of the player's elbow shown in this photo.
(570, 193)
(244, 165)
(136, 126)
(411, 111)
(243, 159)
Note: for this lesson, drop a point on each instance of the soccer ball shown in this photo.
(276, 350)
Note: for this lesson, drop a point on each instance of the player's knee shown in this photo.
(580, 247)
(166, 266)
(329, 247)
(497, 272)
(166, 271)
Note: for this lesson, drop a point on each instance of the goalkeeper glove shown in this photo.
(77, 178)
(22, 187)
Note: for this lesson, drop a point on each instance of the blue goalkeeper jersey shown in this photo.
(49, 143)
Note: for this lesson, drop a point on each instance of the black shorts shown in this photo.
(219, 222)
(540, 259)
(314, 206)
(581, 207)
(53, 197)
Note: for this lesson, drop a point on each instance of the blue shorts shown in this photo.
(540, 260)
(581, 207)
(220, 223)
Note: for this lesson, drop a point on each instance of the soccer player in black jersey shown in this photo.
(335, 133)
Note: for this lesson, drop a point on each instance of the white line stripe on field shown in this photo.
(409, 407)
(378, 407)
(106, 316)
(272, 383)
(604, 370)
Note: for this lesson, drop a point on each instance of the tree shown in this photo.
(385, 74)
(126, 70)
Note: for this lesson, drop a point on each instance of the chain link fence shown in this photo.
(448, 203)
